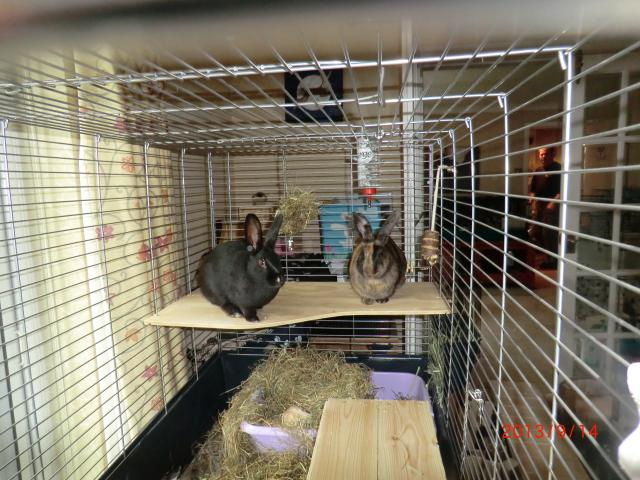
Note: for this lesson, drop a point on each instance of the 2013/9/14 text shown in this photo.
(515, 431)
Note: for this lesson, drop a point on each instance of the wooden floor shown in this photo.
(376, 439)
(300, 302)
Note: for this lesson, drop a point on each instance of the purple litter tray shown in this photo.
(388, 386)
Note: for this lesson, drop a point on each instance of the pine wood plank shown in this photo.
(407, 443)
(345, 447)
(376, 440)
(300, 302)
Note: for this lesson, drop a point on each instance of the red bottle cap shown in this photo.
(369, 192)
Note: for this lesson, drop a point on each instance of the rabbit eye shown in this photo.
(262, 263)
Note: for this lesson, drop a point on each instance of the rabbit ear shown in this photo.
(362, 226)
(253, 232)
(272, 234)
(385, 231)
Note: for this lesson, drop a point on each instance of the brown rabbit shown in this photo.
(377, 266)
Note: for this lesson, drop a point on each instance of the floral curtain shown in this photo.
(78, 269)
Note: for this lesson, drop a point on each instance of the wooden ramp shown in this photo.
(300, 302)
(376, 440)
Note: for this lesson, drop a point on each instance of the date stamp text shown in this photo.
(515, 431)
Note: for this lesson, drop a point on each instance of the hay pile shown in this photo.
(300, 378)
(435, 352)
(298, 207)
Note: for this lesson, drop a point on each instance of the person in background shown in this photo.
(543, 187)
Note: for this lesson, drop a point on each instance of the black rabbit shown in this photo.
(377, 266)
(241, 276)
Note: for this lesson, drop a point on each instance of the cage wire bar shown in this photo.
(412, 156)
(30, 429)
(111, 340)
(470, 313)
(504, 103)
(566, 155)
(518, 346)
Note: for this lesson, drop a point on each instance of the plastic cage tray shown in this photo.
(388, 386)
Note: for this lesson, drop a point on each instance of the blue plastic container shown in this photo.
(336, 224)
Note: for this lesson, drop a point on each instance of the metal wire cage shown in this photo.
(120, 168)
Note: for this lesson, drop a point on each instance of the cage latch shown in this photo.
(571, 244)
(476, 396)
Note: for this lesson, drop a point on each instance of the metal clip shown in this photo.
(501, 101)
(467, 122)
(439, 141)
(451, 134)
(476, 396)
(12, 90)
(562, 60)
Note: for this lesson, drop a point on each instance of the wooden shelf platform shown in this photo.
(300, 302)
(376, 440)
